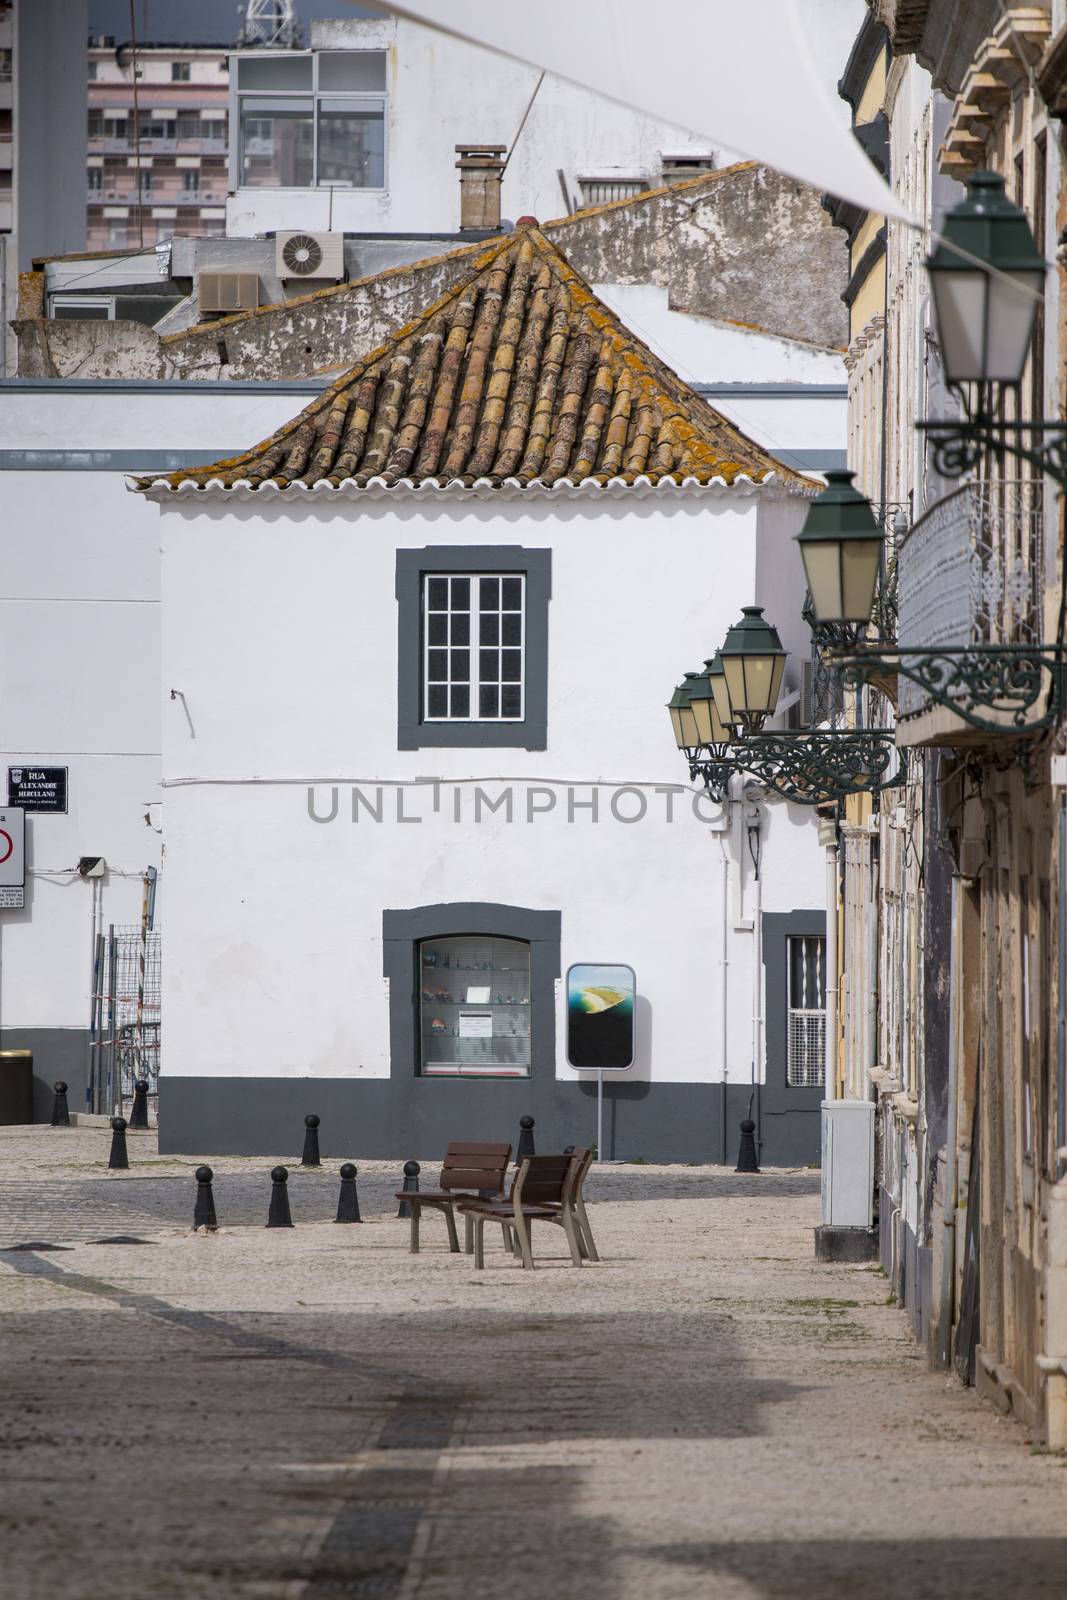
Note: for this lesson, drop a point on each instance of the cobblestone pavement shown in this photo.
(312, 1414)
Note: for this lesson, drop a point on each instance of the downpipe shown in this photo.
(950, 1200)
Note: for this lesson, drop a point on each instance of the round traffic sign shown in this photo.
(7, 844)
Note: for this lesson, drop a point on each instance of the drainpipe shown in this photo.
(871, 1040)
(949, 1200)
(828, 837)
(1061, 999)
(724, 966)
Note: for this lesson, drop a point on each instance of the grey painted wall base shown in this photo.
(369, 1118)
(57, 1053)
(846, 1244)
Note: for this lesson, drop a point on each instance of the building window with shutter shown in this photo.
(806, 1011)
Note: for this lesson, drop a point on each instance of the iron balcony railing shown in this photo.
(971, 573)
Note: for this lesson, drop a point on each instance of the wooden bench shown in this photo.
(470, 1170)
(543, 1191)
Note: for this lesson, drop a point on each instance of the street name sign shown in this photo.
(12, 859)
(37, 788)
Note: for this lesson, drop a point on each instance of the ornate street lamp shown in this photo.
(987, 276)
(841, 545)
(709, 701)
(753, 663)
(682, 719)
(809, 766)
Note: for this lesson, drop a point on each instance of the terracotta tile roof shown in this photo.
(517, 375)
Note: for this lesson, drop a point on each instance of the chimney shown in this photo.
(480, 168)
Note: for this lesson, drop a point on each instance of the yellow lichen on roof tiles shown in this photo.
(517, 373)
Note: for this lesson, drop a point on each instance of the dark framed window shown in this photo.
(472, 646)
(440, 961)
(474, 1007)
(305, 118)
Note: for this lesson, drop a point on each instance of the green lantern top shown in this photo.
(753, 662)
(989, 227)
(840, 512)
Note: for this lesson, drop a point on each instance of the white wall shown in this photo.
(79, 666)
(280, 629)
(442, 91)
(79, 687)
(702, 350)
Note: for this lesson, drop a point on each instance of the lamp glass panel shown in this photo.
(701, 706)
(1013, 303)
(721, 732)
(777, 674)
(689, 728)
(676, 724)
(823, 571)
(860, 560)
(734, 674)
(722, 701)
(959, 298)
(763, 674)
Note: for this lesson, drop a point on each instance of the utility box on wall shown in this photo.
(847, 1163)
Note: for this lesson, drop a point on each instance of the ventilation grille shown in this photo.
(806, 1049)
(227, 291)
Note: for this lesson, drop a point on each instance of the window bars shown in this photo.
(806, 1012)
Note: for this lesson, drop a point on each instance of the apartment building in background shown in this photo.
(157, 144)
(41, 209)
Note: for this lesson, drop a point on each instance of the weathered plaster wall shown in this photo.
(744, 245)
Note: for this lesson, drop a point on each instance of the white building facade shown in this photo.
(416, 762)
(362, 133)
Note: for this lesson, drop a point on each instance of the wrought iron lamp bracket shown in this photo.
(958, 446)
(993, 688)
(810, 767)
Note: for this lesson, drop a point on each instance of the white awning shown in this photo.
(741, 74)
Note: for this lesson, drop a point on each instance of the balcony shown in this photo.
(971, 575)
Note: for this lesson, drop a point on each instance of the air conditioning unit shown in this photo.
(310, 255)
(227, 291)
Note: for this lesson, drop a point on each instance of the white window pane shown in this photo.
(352, 69)
(351, 144)
(276, 143)
(274, 72)
(466, 675)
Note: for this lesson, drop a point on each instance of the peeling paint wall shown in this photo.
(749, 246)
(744, 245)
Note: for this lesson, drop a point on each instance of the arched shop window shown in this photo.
(474, 1007)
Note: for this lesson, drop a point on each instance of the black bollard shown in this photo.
(348, 1199)
(118, 1159)
(204, 1215)
(310, 1158)
(60, 1109)
(139, 1114)
(747, 1160)
(410, 1185)
(526, 1139)
(279, 1215)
